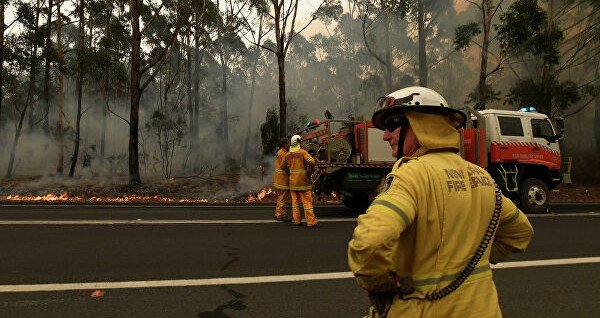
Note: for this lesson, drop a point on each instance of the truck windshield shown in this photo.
(541, 128)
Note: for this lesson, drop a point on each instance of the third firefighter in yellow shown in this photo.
(297, 161)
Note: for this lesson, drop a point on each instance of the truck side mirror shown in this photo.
(560, 125)
(556, 138)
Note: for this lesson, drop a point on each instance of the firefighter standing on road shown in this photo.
(297, 162)
(281, 181)
(421, 248)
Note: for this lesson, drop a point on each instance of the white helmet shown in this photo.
(296, 139)
(415, 98)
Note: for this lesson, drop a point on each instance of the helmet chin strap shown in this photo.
(403, 127)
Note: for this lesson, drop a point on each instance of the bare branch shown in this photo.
(156, 13)
(163, 57)
(475, 4)
(581, 20)
(112, 112)
(582, 107)
(379, 59)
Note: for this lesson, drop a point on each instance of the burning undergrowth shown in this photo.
(215, 189)
(220, 189)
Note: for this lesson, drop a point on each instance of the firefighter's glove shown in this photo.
(285, 169)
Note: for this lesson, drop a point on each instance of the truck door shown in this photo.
(546, 146)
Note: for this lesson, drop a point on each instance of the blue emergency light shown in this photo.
(528, 109)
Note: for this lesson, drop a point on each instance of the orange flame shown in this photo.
(65, 197)
(260, 195)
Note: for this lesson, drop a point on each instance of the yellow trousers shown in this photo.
(283, 197)
(306, 198)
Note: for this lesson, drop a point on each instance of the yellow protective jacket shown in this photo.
(297, 162)
(425, 226)
(280, 178)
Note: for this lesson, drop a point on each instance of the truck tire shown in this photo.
(534, 196)
(357, 201)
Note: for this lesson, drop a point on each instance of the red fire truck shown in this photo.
(520, 149)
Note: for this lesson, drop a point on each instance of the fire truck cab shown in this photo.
(520, 149)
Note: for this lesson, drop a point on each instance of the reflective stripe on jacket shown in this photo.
(280, 178)
(298, 162)
(425, 226)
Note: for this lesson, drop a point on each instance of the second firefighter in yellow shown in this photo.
(281, 181)
(296, 162)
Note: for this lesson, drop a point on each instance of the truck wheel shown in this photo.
(534, 196)
(358, 202)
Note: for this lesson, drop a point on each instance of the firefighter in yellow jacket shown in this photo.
(296, 162)
(421, 250)
(281, 181)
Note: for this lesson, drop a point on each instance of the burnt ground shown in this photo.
(230, 189)
(218, 189)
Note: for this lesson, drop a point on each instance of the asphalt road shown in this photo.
(204, 247)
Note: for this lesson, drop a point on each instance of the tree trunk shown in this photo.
(190, 97)
(196, 109)
(487, 20)
(422, 47)
(196, 132)
(136, 39)
(251, 99)
(388, 53)
(597, 124)
(547, 69)
(46, 123)
(13, 149)
(33, 74)
(79, 84)
(224, 114)
(61, 84)
(23, 113)
(109, 6)
(1, 58)
(282, 103)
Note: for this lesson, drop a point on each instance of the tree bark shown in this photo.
(196, 109)
(547, 69)
(190, 98)
(60, 97)
(1, 57)
(388, 52)
(423, 71)
(487, 15)
(23, 113)
(282, 103)
(109, 6)
(136, 76)
(34, 67)
(46, 123)
(597, 124)
(79, 85)
(13, 149)
(136, 85)
(224, 110)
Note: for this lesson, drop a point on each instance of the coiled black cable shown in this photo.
(464, 274)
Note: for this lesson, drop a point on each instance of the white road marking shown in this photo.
(548, 262)
(155, 222)
(213, 221)
(251, 280)
(562, 215)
